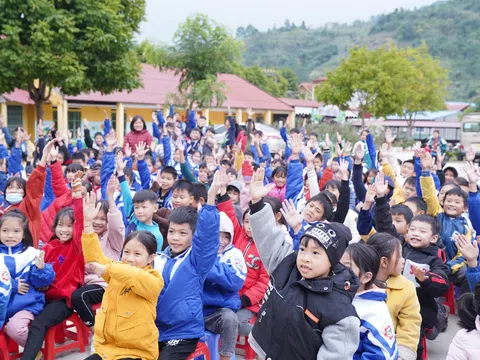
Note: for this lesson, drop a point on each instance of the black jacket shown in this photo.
(434, 286)
(383, 217)
(290, 323)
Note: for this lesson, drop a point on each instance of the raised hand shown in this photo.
(40, 128)
(106, 114)
(327, 141)
(154, 117)
(296, 144)
(257, 189)
(426, 160)
(348, 148)
(381, 185)
(52, 156)
(112, 186)
(468, 249)
(141, 150)
(250, 113)
(85, 123)
(194, 105)
(2, 136)
(370, 195)
(121, 165)
(77, 185)
(2, 121)
(128, 150)
(338, 150)
(79, 133)
(440, 157)
(343, 168)
(307, 153)
(291, 215)
(180, 145)
(470, 155)
(229, 110)
(111, 140)
(339, 138)
(214, 187)
(472, 172)
(359, 154)
(90, 208)
(40, 260)
(389, 139)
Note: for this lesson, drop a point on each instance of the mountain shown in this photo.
(451, 29)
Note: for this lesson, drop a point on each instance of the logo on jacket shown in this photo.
(61, 259)
(126, 291)
(6, 276)
(252, 260)
(388, 333)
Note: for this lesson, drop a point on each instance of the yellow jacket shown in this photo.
(397, 197)
(125, 324)
(402, 302)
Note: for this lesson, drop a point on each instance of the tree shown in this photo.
(291, 77)
(158, 54)
(269, 80)
(76, 46)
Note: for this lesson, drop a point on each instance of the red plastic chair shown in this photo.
(425, 352)
(4, 349)
(450, 299)
(201, 350)
(59, 333)
(245, 346)
(85, 328)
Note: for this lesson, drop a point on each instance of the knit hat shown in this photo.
(334, 237)
(236, 184)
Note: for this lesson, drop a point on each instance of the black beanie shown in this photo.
(334, 238)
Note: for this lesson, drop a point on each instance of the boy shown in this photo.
(426, 270)
(406, 170)
(308, 312)
(163, 185)
(221, 299)
(234, 189)
(417, 205)
(184, 265)
(182, 194)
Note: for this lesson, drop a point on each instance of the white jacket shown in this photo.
(465, 345)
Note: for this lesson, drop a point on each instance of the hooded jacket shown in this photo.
(5, 289)
(301, 318)
(226, 277)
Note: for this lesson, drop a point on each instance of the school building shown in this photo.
(67, 112)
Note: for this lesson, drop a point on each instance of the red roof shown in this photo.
(157, 84)
(397, 123)
(308, 86)
(456, 106)
(19, 96)
(301, 102)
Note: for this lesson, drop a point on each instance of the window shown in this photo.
(74, 120)
(14, 117)
(467, 127)
(114, 121)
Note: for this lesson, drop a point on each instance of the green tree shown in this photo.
(269, 80)
(158, 54)
(76, 46)
(291, 77)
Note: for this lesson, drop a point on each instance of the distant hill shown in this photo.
(451, 30)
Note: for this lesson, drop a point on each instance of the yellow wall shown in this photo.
(216, 117)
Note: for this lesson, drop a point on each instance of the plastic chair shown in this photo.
(59, 333)
(450, 299)
(245, 346)
(85, 328)
(213, 342)
(425, 352)
(201, 351)
(4, 349)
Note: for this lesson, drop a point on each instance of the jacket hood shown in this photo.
(345, 281)
(226, 225)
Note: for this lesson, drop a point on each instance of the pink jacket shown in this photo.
(111, 243)
(465, 345)
(278, 192)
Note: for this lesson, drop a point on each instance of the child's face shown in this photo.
(280, 180)
(195, 135)
(231, 177)
(334, 190)
(136, 254)
(166, 181)
(249, 158)
(11, 233)
(203, 175)
(179, 237)
(313, 212)
(181, 198)
(151, 168)
(400, 224)
(100, 223)
(453, 205)
(246, 226)
(64, 229)
(196, 158)
(412, 206)
(407, 170)
(409, 191)
(312, 260)
(144, 211)
(443, 191)
(317, 163)
(176, 155)
(370, 178)
(420, 235)
(224, 241)
(396, 262)
(234, 195)
(99, 139)
(15, 188)
(449, 176)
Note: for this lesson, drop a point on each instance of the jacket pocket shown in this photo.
(99, 327)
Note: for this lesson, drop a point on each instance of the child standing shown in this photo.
(125, 327)
(29, 272)
(308, 313)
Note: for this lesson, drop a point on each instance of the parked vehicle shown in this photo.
(470, 134)
(274, 140)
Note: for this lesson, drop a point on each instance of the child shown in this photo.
(377, 336)
(279, 176)
(163, 186)
(125, 323)
(30, 273)
(308, 311)
(402, 299)
(184, 265)
(466, 343)
(64, 252)
(5, 289)
(221, 299)
(234, 189)
(182, 193)
(417, 205)
(426, 270)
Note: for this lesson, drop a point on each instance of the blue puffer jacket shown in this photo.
(180, 305)
(5, 288)
(21, 265)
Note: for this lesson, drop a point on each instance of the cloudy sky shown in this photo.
(163, 17)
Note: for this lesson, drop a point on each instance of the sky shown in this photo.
(163, 18)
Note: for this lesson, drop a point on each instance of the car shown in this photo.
(274, 139)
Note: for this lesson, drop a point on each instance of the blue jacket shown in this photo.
(180, 305)
(224, 281)
(473, 277)
(294, 184)
(5, 289)
(21, 265)
(474, 210)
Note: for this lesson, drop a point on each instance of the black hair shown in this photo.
(461, 181)
(184, 185)
(385, 244)
(104, 206)
(226, 162)
(184, 215)
(20, 182)
(145, 196)
(78, 156)
(326, 203)
(467, 312)
(333, 183)
(212, 130)
(457, 192)
(258, 132)
(412, 181)
(409, 161)
(294, 131)
(332, 198)
(452, 169)
(149, 158)
(146, 238)
(74, 168)
(280, 171)
(135, 118)
(98, 133)
(232, 171)
(65, 212)
(87, 185)
(203, 165)
(27, 240)
(195, 151)
(366, 258)
(233, 188)
(248, 153)
(364, 130)
(319, 156)
(200, 191)
(276, 205)
(170, 170)
(203, 117)
(401, 209)
(433, 222)
(313, 133)
(196, 129)
(419, 203)
(372, 170)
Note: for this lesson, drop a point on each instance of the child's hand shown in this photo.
(291, 215)
(111, 140)
(96, 268)
(22, 287)
(212, 192)
(369, 197)
(472, 173)
(343, 168)
(106, 114)
(79, 133)
(128, 150)
(85, 123)
(440, 157)
(112, 186)
(223, 181)
(420, 274)
(389, 139)
(77, 185)
(121, 165)
(338, 150)
(90, 209)
(296, 144)
(384, 152)
(141, 150)
(327, 142)
(468, 249)
(426, 160)
(339, 138)
(257, 189)
(348, 148)
(40, 260)
(307, 153)
(381, 185)
(359, 154)
(470, 155)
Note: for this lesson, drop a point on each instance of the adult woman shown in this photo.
(138, 132)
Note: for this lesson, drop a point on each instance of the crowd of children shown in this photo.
(321, 251)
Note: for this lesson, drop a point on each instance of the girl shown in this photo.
(109, 227)
(279, 176)
(28, 271)
(377, 337)
(64, 251)
(402, 299)
(466, 343)
(125, 327)
(369, 177)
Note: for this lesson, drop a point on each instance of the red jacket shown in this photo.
(67, 260)
(256, 283)
(326, 177)
(63, 198)
(30, 204)
(134, 137)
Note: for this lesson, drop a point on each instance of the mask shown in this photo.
(14, 198)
